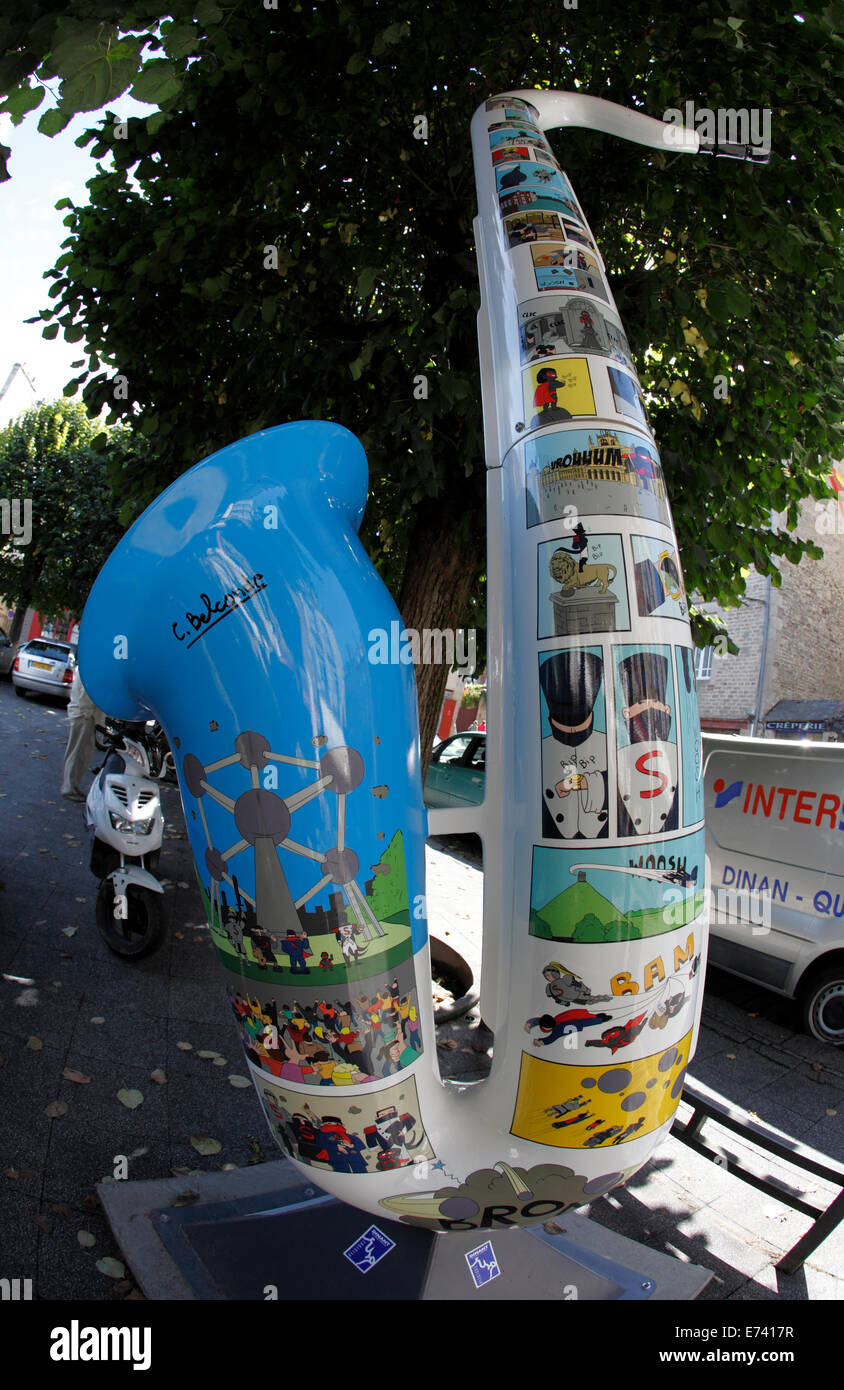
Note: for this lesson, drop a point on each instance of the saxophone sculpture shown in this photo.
(247, 631)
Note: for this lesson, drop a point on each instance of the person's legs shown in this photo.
(77, 757)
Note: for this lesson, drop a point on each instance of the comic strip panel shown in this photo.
(514, 108)
(557, 391)
(647, 754)
(366, 1133)
(331, 1036)
(574, 744)
(692, 752)
(528, 181)
(582, 585)
(334, 934)
(579, 1004)
(580, 1107)
(553, 270)
(604, 472)
(551, 328)
(530, 226)
(589, 896)
(659, 579)
(627, 395)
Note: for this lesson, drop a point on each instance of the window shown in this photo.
(703, 664)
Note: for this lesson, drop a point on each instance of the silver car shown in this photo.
(45, 667)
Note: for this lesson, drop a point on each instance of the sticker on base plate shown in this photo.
(368, 1249)
(483, 1265)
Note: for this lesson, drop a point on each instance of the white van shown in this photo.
(775, 840)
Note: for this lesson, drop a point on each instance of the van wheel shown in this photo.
(822, 1006)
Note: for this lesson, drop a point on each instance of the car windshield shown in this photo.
(55, 651)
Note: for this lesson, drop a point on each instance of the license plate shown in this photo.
(40, 665)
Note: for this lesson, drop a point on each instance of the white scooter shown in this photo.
(123, 814)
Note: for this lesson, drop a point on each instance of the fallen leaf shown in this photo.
(97, 1020)
(91, 1202)
(35, 1044)
(63, 1210)
(78, 1076)
(124, 1286)
(185, 1199)
(180, 1172)
(115, 1269)
(731, 1056)
(12, 1173)
(220, 1062)
(204, 1145)
(229, 1167)
(55, 1108)
(185, 1047)
(206, 1052)
(832, 1112)
(86, 1238)
(447, 1044)
(158, 1076)
(134, 1297)
(239, 1081)
(130, 1098)
(70, 931)
(42, 1222)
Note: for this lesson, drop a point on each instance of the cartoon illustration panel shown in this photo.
(606, 471)
(368, 1133)
(648, 762)
(581, 1107)
(514, 108)
(531, 225)
(334, 926)
(502, 1196)
(557, 391)
(692, 749)
(549, 327)
(583, 999)
(627, 395)
(582, 585)
(528, 177)
(660, 592)
(592, 895)
(574, 745)
(334, 1036)
(553, 270)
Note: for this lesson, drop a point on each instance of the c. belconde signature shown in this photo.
(215, 612)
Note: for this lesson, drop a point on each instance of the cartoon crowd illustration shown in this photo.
(331, 1042)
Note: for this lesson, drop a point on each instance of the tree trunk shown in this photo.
(21, 608)
(440, 570)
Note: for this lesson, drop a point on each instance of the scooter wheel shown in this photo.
(134, 936)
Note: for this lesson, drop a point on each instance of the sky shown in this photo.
(43, 170)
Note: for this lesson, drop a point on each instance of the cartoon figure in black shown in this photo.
(647, 765)
(574, 754)
(620, 1036)
(549, 411)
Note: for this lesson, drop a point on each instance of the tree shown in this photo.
(48, 464)
(274, 242)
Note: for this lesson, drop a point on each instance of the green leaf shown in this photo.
(157, 82)
(356, 64)
(21, 100)
(180, 40)
(50, 331)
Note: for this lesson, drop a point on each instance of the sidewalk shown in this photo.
(78, 1027)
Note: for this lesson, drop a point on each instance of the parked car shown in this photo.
(44, 666)
(774, 838)
(456, 771)
(7, 655)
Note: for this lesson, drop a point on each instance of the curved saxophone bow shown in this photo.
(248, 633)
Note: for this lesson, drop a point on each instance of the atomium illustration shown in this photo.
(263, 819)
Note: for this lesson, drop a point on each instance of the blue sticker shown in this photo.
(483, 1265)
(368, 1249)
